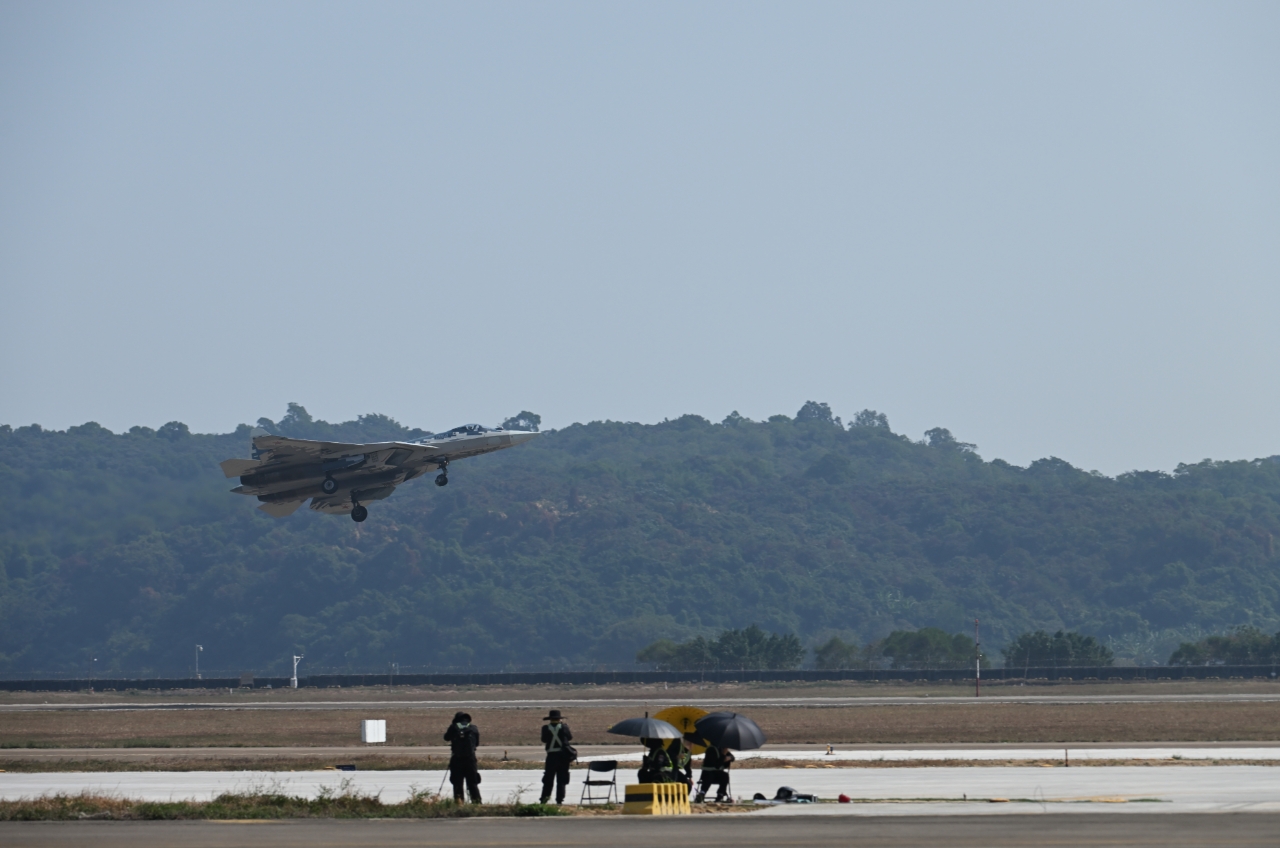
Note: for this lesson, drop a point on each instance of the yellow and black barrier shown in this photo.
(656, 799)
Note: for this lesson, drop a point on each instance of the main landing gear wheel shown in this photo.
(359, 513)
(442, 479)
(329, 486)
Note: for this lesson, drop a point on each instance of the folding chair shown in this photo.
(600, 767)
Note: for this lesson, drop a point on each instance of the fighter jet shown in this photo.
(341, 478)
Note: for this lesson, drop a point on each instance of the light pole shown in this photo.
(977, 662)
(293, 682)
(199, 648)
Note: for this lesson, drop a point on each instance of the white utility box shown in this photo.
(373, 731)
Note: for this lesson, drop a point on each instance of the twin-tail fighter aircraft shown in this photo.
(340, 478)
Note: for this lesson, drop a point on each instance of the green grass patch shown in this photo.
(27, 744)
(266, 805)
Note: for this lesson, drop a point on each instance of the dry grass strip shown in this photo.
(908, 724)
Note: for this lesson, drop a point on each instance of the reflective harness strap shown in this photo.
(465, 738)
(554, 745)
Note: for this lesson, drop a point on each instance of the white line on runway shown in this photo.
(1060, 753)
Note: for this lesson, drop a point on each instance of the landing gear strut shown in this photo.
(359, 513)
(442, 479)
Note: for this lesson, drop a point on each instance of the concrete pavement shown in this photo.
(917, 791)
(976, 752)
(727, 831)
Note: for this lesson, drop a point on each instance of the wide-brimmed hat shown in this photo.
(464, 717)
(553, 715)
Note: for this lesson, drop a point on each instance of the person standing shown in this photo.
(556, 736)
(715, 772)
(463, 738)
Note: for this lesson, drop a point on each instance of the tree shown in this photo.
(871, 418)
(1244, 645)
(1041, 650)
(173, 430)
(751, 648)
(928, 647)
(836, 653)
(940, 437)
(296, 416)
(524, 421)
(832, 467)
(814, 412)
(659, 653)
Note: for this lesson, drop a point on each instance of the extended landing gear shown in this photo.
(329, 486)
(442, 479)
(359, 513)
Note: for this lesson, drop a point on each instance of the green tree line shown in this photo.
(928, 647)
(595, 540)
(1244, 645)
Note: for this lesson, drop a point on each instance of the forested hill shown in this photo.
(593, 541)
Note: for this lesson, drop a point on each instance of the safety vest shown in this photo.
(656, 760)
(555, 744)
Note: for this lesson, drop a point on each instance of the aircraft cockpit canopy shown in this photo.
(464, 430)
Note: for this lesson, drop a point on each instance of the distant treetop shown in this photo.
(812, 411)
(870, 418)
(524, 421)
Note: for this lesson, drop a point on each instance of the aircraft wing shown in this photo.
(281, 451)
(280, 510)
(341, 504)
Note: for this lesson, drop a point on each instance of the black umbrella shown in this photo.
(645, 728)
(730, 730)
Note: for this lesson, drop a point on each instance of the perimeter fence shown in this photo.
(601, 678)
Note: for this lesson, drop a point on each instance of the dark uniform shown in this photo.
(463, 739)
(681, 761)
(555, 738)
(656, 765)
(715, 772)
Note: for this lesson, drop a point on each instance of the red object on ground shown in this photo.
(844, 799)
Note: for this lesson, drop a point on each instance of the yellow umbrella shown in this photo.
(683, 718)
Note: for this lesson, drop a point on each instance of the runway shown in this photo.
(843, 754)
(1063, 753)
(925, 791)
(727, 831)
(233, 702)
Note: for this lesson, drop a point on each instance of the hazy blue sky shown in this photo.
(1054, 229)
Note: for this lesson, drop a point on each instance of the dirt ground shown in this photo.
(648, 691)
(936, 723)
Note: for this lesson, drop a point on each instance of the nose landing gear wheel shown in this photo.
(329, 486)
(359, 513)
(442, 480)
